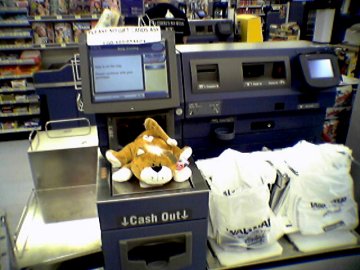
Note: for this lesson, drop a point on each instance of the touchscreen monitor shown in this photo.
(129, 78)
(320, 70)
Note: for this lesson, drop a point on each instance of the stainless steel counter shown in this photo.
(292, 258)
(58, 225)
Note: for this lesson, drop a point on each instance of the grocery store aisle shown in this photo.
(15, 180)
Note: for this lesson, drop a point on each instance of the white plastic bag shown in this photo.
(240, 215)
(320, 194)
(244, 218)
(322, 202)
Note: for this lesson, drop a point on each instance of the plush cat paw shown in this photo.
(182, 175)
(122, 175)
(112, 159)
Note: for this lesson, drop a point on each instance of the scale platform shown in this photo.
(132, 187)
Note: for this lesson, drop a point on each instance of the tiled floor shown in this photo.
(15, 180)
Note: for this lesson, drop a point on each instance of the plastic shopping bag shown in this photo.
(320, 203)
(244, 218)
(240, 215)
(320, 192)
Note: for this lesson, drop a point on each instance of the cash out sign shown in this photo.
(155, 218)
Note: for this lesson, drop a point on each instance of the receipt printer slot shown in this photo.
(207, 73)
(162, 252)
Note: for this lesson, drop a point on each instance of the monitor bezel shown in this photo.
(321, 82)
(133, 105)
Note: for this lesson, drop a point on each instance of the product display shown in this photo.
(43, 33)
(95, 6)
(63, 33)
(59, 7)
(19, 105)
(39, 7)
(79, 28)
(79, 7)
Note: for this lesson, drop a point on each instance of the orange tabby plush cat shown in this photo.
(153, 157)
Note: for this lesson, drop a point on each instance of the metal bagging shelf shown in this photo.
(53, 230)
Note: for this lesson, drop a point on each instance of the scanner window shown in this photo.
(200, 29)
(270, 70)
(203, 29)
(252, 71)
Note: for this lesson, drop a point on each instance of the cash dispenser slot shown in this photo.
(161, 252)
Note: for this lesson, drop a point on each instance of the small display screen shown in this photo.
(121, 73)
(320, 68)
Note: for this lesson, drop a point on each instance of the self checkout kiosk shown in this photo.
(210, 97)
(255, 95)
(157, 228)
(209, 31)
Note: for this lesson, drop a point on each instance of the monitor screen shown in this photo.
(129, 78)
(129, 73)
(320, 68)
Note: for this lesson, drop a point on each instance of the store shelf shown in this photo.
(250, 6)
(64, 18)
(19, 76)
(29, 87)
(55, 46)
(13, 10)
(19, 130)
(19, 114)
(16, 35)
(19, 105)
(17, 62)
(50, 46)
(18, 102)
(14, 23)
(16, 47)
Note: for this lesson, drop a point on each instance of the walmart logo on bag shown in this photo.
(244, 231)
(337, 201)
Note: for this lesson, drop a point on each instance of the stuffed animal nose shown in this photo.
(156, 168)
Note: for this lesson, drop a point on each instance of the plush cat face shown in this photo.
(154, 162)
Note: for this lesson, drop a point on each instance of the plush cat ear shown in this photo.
(140, 152)
(171, 142)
